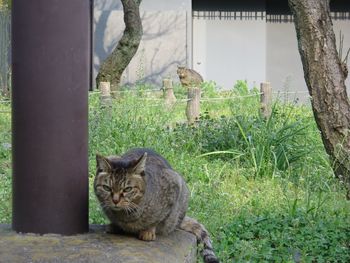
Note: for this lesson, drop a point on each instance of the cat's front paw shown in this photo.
(148, 235)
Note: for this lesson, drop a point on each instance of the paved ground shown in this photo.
(95, 247)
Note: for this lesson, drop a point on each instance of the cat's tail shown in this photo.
(193, 226)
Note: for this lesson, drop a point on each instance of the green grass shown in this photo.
(264, 188)
(5, 162)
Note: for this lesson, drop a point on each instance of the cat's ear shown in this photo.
(102, 163)
(140, 165)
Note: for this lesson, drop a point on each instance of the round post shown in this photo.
(168, 91)
(265, 99)
(193, 104)
(51, 78)
(105, 88)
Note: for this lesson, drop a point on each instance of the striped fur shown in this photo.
(193, 226)
(189, 77)
(141, 194)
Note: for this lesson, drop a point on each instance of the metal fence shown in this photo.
(5, 51)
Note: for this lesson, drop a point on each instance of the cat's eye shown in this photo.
(106, 188)
(128, 189)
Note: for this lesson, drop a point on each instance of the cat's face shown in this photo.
(119, 184)
(181, 71)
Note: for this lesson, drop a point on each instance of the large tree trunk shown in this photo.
(325, 80)
(112, 68)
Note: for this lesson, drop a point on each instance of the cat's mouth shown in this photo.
(117, 207)
(128, 208)
(120, 207)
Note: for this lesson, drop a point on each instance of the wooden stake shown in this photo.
(265, 99)
(168, 91)
(105, 88)
(193, 104)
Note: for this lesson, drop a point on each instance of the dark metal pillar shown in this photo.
(51, 71)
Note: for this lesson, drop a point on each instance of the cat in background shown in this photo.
(189, 77)
(141, 194)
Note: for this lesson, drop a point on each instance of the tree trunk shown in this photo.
(325, 80)
(113, 67)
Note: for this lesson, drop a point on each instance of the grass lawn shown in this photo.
(264, 188)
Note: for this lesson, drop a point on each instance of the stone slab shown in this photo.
(95, 247)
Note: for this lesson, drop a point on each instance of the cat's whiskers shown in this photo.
(135, 208)
(140, 176)
(125, 209)
(106, 206)
(131, 208)
(128, 210)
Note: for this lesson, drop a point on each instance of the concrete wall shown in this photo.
(229, 50)
(257, 50)
(225, 50)
(165, 44)
(283, 64)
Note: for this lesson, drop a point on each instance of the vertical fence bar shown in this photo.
(51, 67)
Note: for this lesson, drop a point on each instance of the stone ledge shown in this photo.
(95, 247)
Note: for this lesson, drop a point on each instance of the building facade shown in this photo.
(164, 45)
(224, 40)
(256, 41)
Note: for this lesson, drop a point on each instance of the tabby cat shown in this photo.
(141, 194)
(189, 77)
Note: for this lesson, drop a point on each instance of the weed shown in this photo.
(264, 188)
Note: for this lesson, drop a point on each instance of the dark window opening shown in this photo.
(275, 10)
(228, 5)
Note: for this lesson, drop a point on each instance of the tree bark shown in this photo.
(325, 80)
(113, 67)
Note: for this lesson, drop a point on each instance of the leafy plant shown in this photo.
(264, 189)
(275, 237)
(6, 4)
(209, 89)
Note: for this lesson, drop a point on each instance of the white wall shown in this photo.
(165, 43)
(255, 50)
(221, 50)
(344, 27)
(229, 50)
(283, 64)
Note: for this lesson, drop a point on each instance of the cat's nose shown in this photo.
(116, 198)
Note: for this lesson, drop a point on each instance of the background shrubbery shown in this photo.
(264, 188)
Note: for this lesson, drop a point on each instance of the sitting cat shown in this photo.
(141, 194)
(189, 77)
